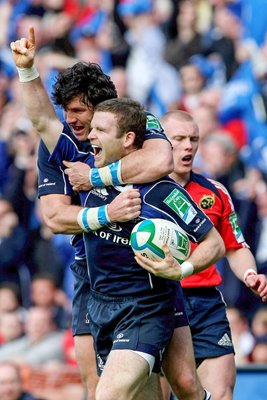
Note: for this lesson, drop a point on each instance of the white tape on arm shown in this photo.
(27, 74)
(106, 176)
(187, 269)
(91, 219)
(249, 272)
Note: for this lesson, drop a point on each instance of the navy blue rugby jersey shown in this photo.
(111, 260)
(154, 130)
(112, 267)
(51, 177)
(52, 180)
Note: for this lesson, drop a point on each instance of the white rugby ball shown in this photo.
(148, 236)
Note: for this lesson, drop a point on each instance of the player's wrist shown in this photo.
(187, 269)
(27, 74)
(106, 176)
(91, 219)
(249, 272)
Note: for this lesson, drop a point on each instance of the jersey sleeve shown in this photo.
(51, 178)
(168, 200)
(154, 130)
(228, 226)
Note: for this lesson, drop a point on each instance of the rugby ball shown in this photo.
(148, 236)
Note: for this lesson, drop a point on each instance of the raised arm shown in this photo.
(34, 96)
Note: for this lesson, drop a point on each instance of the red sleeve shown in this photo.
(228, 226)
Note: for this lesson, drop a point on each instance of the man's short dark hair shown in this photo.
(130, 116)
(86, 79)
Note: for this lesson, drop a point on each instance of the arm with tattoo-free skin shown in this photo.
(156, 153)
(132, 166)
(61, 216)
(241, 261)
(243, 265)
(34, 96)
(208, 251)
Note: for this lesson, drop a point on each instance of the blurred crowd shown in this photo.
(207, 57)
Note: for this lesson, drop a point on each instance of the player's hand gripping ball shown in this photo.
(149, 235)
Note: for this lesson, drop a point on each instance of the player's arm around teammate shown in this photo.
(56, 207)
(61, 215)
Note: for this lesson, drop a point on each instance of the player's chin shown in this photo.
(80, 134)
(99, 164)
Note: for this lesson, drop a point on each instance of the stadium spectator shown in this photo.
(11, 327)
(242, 337)
(13, 243)
(193, 82)
(41, 344)
(258, 354)
(10, 298)
(46, 294)
(259, 322)
(188, 40)
(151, 80)
(11, 387)
(233, 103)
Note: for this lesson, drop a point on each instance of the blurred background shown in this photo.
(207, 57)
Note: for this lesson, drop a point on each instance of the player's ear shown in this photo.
(129, 139)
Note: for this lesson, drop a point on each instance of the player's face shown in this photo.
(184, 138)
(107, 146)
(79, 115)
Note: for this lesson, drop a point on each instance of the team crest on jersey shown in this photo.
(207, 201)
(114, 227)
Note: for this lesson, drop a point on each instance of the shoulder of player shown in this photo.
(161, 190)
(43, 150)
(207, 183)
(220, 187)
(159, 184)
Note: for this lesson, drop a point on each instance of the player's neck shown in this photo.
(182, 178)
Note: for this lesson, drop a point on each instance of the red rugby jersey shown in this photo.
(213, 198)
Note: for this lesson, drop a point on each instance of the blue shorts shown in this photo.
(181, 318)
(80, 320)
(138, 323)
(206, 311)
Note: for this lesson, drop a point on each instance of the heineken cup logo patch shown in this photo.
(179, 203)
(236, 230)
(152, 123)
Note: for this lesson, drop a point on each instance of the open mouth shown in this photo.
(77, 130)
(187, 158)
(97, 149)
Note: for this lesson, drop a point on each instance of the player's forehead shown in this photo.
(103, 119)
(181, 128)
(78, 102)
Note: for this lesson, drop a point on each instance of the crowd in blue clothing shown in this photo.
(168, 54)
